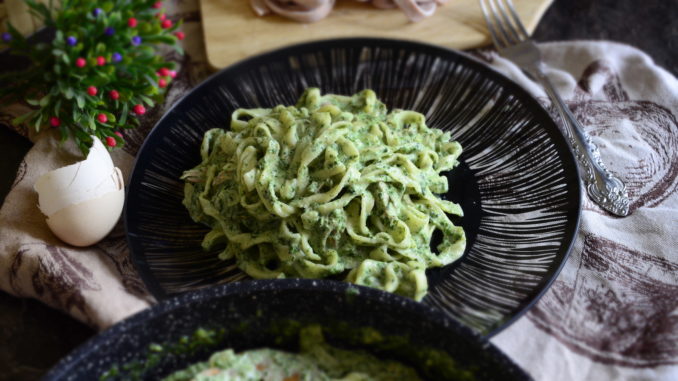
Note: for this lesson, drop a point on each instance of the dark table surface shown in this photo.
(33, 336)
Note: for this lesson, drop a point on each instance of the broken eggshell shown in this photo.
(83, 201)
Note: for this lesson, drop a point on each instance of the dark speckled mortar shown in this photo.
(248, 310)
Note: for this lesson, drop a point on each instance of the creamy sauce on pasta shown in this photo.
(316, 361)
(332, 185)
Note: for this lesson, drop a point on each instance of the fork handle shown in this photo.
(602, 186)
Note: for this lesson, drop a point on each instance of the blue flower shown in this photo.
(116, 57)
(109, 31)
(96, 12)
(6, 37)
(136, 40)
(71, 40)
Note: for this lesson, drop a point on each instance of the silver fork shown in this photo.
(513, 42)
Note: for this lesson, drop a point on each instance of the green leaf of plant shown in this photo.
(91, 123)
(64, 133)
(57, 107)
(161, 39)
(145, 29)
(123, 114)
(76, 114)
(38, 123)
(22, 118)
(80, 99)
(111, 118)
(150, 80)
(147, 100)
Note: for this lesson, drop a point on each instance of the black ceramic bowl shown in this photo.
(250, 314)
(517, 182)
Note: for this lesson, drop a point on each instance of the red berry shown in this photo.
(119, 134)
(132, 22)
(92, 90)
(80, 62)
(139, 109)
(163, 72)
(166, 24)
(162, 16)
(110, 141)
(162, 82)
(172, 74)
(157, 5)
(54, 121)
(180, 35)
(114, 95)
(101, 61)
(102, 118)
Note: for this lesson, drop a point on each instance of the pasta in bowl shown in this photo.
(333, 185)
(516, 182)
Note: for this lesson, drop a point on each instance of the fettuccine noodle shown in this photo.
(332, 184)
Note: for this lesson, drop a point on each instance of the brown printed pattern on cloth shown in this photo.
(620, 309)
(647, 129)
(20, 173)
(114, 247)
(599, 76)
(651, 131)
(13, 271)
(58, 279)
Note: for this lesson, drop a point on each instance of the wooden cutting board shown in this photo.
(233, 31)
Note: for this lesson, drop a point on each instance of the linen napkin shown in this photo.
(611, 314)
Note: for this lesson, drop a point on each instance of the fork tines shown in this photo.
(503, 23)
